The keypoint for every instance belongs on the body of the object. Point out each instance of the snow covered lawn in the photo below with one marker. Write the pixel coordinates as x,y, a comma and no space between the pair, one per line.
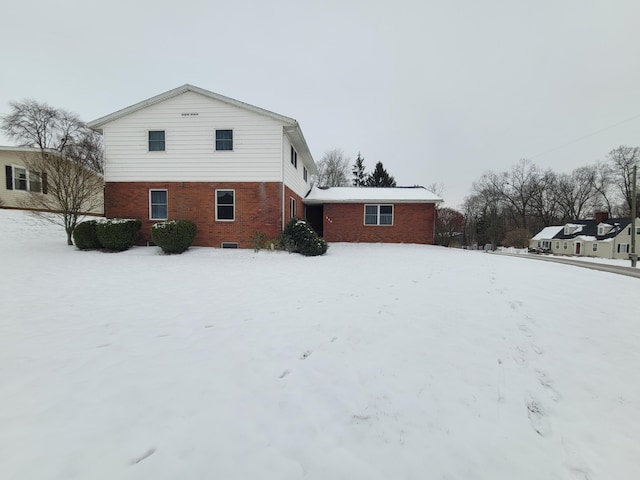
372,362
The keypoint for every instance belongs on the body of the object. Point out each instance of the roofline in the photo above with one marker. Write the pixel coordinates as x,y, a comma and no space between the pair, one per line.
100,122
314,201
295,131
26,149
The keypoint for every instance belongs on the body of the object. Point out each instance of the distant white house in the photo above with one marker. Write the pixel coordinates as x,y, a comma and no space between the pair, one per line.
601,237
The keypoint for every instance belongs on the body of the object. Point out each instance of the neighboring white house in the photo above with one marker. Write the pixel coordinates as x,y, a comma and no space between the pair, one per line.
21,184
602,237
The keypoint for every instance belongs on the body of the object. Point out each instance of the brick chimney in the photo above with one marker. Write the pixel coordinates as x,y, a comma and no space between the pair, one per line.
601,217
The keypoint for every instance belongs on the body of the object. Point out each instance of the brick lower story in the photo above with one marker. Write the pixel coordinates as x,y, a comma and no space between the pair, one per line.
258,207
412,223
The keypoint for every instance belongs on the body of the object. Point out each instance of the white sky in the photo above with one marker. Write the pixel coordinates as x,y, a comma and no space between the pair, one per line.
437,91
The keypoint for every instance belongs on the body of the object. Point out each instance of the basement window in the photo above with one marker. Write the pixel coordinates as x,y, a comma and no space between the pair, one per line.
229,245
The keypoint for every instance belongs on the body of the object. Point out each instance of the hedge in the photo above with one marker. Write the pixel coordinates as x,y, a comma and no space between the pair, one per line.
118,234
173,236
85,236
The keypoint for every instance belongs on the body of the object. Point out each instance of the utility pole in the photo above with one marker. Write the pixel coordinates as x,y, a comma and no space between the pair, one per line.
634,201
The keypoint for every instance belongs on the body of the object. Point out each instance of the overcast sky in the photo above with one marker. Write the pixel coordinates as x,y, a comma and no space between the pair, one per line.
439,91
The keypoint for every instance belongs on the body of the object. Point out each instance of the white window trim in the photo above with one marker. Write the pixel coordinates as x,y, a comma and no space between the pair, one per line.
234,203
305,174
150,204
626,248
378,224
594,248
294,157
165,140
215,140
28,179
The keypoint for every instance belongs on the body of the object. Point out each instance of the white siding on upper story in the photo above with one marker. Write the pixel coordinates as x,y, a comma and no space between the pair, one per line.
293,177
190,153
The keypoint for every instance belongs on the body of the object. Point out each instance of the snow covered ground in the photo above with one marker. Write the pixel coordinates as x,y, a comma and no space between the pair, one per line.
372,362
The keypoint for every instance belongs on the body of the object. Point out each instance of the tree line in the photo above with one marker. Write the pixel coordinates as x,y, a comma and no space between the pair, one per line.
505,207
333,171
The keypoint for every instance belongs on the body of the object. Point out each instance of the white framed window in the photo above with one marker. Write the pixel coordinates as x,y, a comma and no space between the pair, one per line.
378,215
156,140
600,230
294,157
225,205
595,247
305,174
557,245
224,140
292,207
546,244
158,204
565,245
20,178
623,248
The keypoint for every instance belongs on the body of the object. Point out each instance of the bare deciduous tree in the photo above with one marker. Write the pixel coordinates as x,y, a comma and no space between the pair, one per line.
449,227
67,160
333,169
621,162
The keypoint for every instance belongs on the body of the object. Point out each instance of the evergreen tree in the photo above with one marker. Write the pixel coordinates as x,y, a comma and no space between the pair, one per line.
380,177
359,177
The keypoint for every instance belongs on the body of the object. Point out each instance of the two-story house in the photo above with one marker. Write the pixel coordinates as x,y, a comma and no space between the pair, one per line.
235,169
230,167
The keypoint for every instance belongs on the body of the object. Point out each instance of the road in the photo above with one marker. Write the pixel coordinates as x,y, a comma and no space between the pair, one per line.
628,271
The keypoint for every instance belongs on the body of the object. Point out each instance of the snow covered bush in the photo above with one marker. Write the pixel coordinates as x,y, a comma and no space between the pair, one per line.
298,236
173,236
85,236
118,234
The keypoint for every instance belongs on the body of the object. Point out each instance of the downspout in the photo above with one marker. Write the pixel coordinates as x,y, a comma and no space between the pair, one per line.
282,179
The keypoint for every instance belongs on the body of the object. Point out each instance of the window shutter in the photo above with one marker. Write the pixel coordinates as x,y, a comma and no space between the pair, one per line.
9,171
44,183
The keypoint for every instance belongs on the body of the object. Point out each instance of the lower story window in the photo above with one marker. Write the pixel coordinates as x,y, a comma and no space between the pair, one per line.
623,248
378,214
565,245
292,207
158,205
558,245
595,247
225,205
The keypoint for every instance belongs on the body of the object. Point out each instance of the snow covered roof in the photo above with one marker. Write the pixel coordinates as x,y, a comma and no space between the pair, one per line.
318,195
547,233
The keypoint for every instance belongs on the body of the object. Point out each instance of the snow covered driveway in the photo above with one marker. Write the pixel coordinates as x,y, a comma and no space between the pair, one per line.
372,362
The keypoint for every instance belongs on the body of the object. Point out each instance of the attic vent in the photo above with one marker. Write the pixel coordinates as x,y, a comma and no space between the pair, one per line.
229,245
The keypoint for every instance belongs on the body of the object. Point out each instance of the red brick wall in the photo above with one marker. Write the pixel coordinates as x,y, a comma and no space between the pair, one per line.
412,223
288,193
258,206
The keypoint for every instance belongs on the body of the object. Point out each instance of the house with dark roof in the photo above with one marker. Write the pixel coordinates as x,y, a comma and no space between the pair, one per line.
235,169
601,237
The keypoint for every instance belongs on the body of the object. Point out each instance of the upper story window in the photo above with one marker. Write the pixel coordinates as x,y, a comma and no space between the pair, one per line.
158,205
156,140
378,214
294,157
20,178
224,139
226,205
305,174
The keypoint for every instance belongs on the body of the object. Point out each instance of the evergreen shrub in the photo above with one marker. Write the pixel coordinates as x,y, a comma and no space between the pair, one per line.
118,234
298,236
85,236
173,236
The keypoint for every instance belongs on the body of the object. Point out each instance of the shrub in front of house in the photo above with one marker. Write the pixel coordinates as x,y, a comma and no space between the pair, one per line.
85,236
118,234
298,236
173,236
